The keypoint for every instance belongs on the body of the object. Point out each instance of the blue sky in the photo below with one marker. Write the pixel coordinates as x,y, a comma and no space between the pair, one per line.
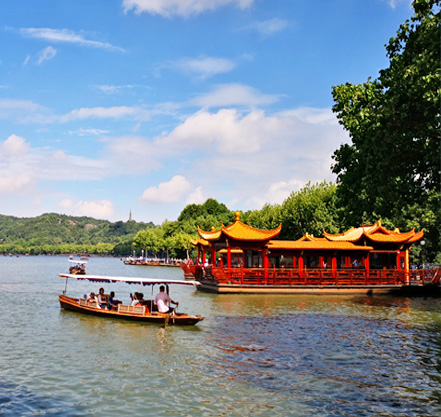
108,106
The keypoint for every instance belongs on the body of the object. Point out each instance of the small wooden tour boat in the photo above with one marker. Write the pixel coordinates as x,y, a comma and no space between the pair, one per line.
79,268
146,312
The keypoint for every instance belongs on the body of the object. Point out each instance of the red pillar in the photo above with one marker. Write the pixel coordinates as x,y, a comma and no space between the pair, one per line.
265,263
213,255
301,266
334,267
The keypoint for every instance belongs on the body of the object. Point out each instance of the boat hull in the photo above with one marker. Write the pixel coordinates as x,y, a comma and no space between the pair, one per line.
72,304
405,290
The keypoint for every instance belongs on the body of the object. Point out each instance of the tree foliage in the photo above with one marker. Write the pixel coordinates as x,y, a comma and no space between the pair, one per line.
394,124
392,168
53,233
310,210
210,208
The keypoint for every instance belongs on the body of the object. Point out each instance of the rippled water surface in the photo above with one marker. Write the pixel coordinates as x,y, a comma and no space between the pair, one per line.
263,355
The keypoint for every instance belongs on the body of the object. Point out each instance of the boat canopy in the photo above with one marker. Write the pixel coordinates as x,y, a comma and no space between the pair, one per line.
130,280
77,262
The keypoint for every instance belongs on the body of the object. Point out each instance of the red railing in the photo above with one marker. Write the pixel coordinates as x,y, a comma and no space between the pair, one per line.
311,277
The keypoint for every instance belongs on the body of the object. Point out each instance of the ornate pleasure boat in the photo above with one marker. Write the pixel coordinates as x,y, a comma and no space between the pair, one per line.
145,312
368,259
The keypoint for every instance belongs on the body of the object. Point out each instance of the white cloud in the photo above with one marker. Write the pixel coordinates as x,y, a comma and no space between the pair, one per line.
185,8
132,154
226,131
24,111
46,54
88,132
101,209
16,182
259,157
167,192
14,146
117,112
202,67
278,192
115,89
66,36
394,3
234,95
268,27
196,197
59,155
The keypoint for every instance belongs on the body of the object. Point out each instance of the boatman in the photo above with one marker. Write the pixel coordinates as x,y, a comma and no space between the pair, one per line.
161,299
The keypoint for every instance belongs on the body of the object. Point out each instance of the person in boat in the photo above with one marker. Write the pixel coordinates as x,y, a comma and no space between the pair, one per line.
137,298
101,299
91,297
161,299
112,303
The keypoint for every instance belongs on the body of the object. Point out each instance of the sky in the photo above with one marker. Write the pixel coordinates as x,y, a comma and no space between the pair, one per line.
145,106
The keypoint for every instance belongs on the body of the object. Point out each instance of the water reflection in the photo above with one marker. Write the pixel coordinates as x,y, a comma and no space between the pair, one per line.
362,365
19,401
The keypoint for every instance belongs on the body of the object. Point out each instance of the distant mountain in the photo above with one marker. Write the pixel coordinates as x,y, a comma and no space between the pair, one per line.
58,230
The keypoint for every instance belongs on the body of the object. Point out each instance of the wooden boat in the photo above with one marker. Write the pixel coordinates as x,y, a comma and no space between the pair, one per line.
147,312
79,268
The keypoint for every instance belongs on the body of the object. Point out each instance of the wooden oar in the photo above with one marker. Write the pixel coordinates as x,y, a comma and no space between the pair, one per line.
167,319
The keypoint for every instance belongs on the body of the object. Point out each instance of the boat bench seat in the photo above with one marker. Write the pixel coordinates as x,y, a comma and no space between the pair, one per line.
87,303
138,309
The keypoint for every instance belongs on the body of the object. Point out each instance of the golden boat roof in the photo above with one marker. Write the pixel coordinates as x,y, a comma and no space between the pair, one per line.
240,231
376,233
317,244
202,242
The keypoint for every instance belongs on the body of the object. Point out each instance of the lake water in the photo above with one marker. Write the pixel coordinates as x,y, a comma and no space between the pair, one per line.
260,355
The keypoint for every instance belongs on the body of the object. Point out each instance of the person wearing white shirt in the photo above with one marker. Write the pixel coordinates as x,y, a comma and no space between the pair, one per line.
161,299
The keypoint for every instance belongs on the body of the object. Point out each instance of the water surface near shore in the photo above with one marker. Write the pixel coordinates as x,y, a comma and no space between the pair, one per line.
267,355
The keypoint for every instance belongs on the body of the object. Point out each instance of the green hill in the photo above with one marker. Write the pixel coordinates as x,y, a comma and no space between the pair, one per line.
58,233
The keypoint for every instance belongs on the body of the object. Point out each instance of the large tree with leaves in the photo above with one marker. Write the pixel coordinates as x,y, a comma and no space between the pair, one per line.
393,162
310,210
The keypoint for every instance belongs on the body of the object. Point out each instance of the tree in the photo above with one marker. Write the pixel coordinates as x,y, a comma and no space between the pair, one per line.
150,239
210,208
267,218
394,124
310,210
183,241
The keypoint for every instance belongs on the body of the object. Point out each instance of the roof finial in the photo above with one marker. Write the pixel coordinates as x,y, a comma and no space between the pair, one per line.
237,216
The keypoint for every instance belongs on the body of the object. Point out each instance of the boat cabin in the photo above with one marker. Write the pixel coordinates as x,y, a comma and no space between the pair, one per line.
364,255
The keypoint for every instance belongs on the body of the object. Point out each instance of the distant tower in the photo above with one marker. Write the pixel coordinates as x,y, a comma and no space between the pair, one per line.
130,216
